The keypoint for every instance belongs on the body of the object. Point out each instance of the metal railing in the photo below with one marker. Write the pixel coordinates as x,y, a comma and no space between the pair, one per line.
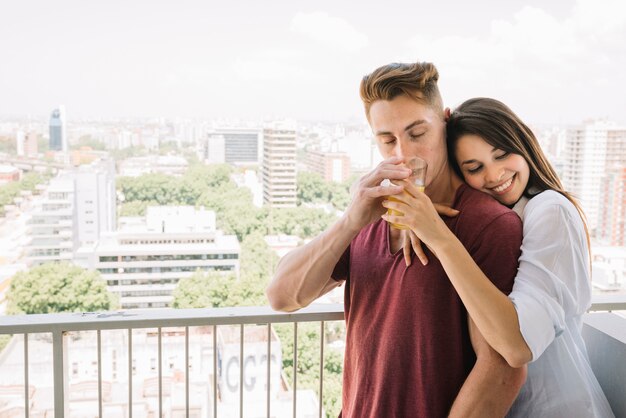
60,324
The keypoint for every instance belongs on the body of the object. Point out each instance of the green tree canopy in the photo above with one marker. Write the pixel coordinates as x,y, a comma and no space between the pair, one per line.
29,181
216,289
313,189
58,287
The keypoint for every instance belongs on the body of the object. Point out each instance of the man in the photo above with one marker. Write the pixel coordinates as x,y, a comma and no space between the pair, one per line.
408,345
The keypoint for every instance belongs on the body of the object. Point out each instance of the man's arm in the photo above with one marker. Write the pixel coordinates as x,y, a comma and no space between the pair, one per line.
492,385
304,274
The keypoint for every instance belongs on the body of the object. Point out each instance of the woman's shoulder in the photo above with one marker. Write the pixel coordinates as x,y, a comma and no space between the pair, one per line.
550,210
549,201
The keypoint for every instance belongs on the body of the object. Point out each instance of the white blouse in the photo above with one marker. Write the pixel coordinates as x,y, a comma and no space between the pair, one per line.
551,292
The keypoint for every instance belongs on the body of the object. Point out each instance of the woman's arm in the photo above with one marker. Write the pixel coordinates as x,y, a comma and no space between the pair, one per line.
492,311
551,284
491,387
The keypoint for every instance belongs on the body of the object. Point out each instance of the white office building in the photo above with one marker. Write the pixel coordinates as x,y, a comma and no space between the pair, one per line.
75,209
145,258
50,228
239,146
279,165
20,141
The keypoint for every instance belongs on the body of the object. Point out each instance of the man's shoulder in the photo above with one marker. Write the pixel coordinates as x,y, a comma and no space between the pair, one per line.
479,212
480,208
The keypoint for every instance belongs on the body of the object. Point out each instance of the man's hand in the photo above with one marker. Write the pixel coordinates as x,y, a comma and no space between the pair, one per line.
366,204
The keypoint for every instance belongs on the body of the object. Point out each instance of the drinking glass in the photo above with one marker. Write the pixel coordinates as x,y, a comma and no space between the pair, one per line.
417,177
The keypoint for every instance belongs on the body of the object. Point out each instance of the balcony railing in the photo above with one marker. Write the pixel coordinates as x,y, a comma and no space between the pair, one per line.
61,324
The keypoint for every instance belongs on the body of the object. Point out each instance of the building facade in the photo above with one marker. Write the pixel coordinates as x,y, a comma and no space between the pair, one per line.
611,229
241,146
58,130
591,151
331,166
143,261
279,165
75,209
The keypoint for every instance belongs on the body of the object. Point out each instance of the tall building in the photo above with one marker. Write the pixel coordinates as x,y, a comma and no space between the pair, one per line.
331,166
58,130
95,201
145,258
20,140
279,165
214,149
76,208
591,150
50,227
233,146
31,144
611,224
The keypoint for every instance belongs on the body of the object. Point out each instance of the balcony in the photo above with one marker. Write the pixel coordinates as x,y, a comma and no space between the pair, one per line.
132,338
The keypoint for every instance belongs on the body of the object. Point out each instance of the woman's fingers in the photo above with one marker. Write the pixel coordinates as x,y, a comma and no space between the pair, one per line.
445,210
406,247
417,247
411,241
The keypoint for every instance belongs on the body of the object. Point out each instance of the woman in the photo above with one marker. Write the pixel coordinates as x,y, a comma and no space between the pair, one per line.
540,322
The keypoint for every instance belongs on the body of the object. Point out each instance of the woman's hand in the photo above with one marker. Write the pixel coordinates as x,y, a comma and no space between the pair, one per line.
421,216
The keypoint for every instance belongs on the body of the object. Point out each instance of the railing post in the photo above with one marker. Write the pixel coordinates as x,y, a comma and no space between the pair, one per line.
295,367
26,382
60,382
321,397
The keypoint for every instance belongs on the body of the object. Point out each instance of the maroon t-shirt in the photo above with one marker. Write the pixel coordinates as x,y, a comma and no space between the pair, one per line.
408,350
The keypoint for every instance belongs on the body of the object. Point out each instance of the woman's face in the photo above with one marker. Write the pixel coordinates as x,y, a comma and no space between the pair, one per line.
491,170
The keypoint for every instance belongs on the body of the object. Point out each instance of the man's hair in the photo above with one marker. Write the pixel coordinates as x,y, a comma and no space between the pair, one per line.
416,80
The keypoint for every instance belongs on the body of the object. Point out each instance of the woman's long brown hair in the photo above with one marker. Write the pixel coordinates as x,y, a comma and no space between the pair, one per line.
494,122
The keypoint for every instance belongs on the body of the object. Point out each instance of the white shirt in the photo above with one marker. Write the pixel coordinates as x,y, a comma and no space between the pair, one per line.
551,292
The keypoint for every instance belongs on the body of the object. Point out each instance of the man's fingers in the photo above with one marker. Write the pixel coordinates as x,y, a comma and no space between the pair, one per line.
417,247
379,191
446,210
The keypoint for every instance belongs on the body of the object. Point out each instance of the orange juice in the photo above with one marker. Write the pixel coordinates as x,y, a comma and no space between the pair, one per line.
394,212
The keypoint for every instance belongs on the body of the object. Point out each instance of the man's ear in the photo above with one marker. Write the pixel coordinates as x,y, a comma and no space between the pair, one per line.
446,114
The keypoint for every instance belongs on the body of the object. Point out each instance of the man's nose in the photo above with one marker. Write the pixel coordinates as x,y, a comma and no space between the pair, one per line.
399,151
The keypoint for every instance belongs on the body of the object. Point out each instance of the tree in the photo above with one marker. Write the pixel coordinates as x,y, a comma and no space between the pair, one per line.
29,182
89,142
301,221
313,189
204,290
58,287
135,208
216,289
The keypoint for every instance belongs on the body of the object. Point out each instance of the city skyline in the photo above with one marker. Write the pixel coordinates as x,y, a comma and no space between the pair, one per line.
555,63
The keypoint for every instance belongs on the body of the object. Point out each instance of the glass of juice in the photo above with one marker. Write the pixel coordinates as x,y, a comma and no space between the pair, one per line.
417,177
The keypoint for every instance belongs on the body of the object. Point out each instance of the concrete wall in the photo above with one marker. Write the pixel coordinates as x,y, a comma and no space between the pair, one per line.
605,336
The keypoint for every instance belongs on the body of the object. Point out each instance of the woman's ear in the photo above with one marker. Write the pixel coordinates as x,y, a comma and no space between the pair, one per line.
446,114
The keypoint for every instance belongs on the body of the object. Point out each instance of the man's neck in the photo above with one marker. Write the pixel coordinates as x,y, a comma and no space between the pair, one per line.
443,188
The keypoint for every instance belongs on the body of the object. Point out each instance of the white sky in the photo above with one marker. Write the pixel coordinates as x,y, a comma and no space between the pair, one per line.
559,62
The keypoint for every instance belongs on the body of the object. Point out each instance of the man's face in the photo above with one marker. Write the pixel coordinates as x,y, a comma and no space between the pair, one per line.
406,128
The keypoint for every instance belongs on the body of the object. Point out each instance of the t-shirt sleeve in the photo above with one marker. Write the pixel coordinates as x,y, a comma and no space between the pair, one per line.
497,250
342,268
